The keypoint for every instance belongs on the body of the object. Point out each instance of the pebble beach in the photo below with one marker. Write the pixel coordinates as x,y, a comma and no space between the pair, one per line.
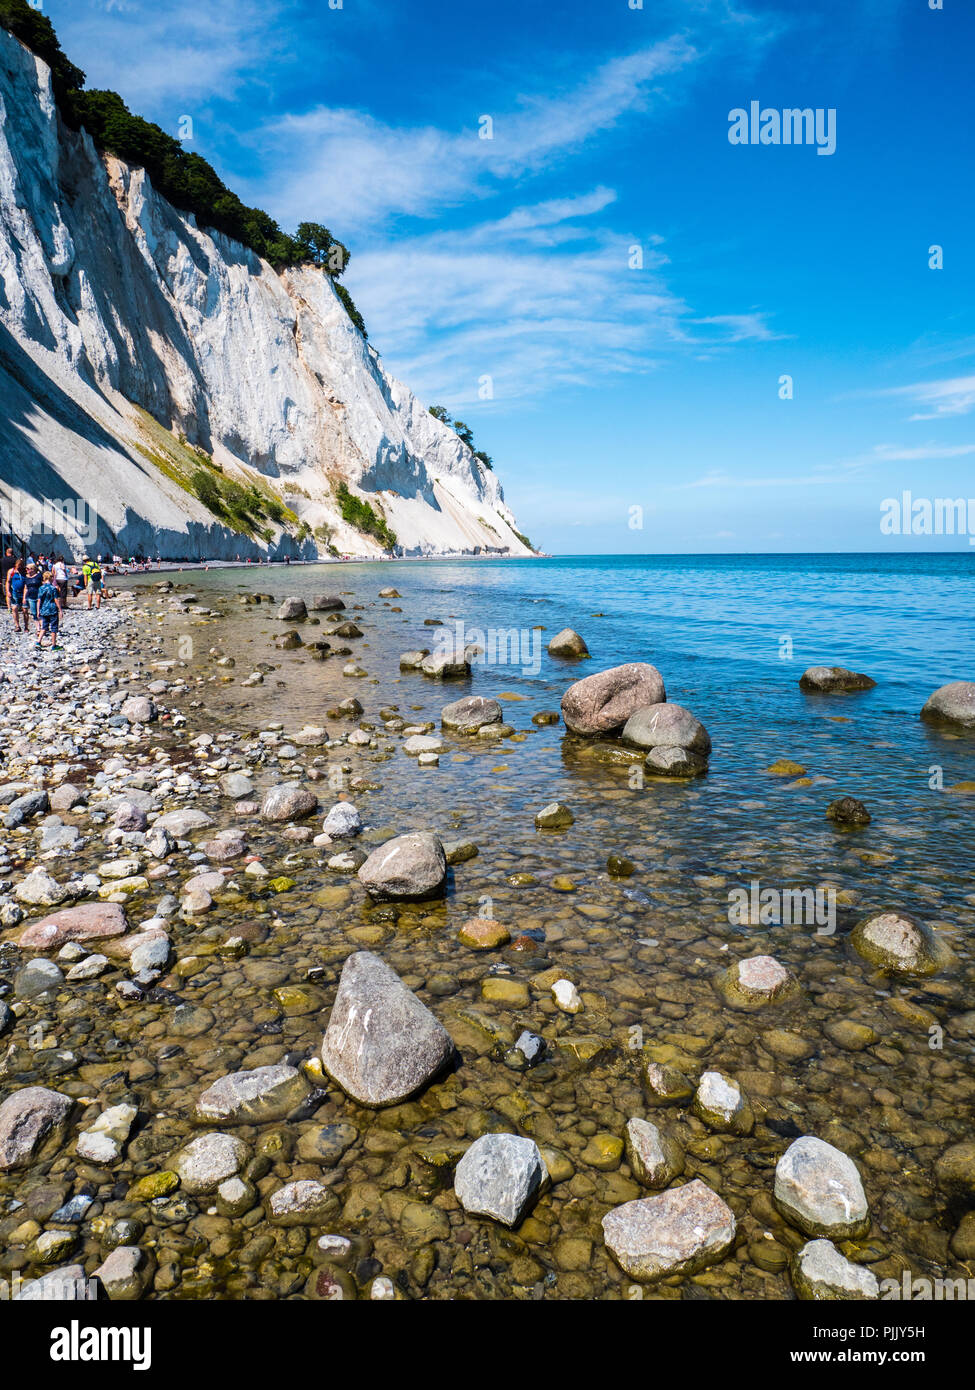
333,966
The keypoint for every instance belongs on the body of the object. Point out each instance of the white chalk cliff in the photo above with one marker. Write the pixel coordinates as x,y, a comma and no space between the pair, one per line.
129,336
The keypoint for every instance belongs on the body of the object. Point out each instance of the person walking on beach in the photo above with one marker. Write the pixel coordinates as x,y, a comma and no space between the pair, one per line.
32,587
14,594
93,581
48,611
7,563
59,578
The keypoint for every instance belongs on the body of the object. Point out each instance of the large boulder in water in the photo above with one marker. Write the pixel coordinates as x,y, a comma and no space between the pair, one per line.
382,1043
830,680
292,610
408,867
666,726
601,704
952,704
567,644
899,945
325,603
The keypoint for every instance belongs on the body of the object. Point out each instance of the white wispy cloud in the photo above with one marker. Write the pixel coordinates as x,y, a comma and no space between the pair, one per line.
179,51
893,453
741,328
954,396
364,170
495,300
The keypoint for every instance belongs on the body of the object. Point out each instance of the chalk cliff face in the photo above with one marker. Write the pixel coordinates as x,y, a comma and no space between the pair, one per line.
131,340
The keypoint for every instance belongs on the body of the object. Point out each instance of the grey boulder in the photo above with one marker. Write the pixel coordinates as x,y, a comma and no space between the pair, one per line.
253,1097
499,1176
666,726
288,801
952,704
382,1044
821,1274
408,867
818,1189
33,1122
292,610
567,644
829,680
470,714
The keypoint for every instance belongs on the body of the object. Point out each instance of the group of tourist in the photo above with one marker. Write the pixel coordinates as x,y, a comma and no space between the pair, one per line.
36,590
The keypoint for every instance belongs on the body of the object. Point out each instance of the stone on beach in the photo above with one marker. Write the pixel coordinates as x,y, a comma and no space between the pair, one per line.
382,1044
407,867
666,726
39,889
253,1097
722,1105
499,1176
952,704
847,810
87,922
567,643
418,744
413,660
756,981
303,1203
138,709
820,1273
555,816
654,1157
471,713
899,945
209,1160
325,603
292,610
675,762
819,1190
681,1231
125,1273
180,823
33,1121
826,680
342,822
449,665
288,801
104,1141
602,703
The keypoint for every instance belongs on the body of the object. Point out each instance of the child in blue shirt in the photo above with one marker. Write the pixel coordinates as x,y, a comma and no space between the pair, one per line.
48,611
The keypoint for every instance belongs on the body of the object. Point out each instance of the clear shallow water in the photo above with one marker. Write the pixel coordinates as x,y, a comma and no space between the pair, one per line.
643,950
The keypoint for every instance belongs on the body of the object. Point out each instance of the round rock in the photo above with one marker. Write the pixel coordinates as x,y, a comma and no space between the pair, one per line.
818,1189
408,867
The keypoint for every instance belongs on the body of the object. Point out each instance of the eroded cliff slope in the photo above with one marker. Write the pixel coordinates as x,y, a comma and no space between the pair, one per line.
139,351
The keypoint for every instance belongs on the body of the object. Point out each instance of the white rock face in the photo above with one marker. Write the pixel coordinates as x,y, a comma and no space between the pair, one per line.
113,304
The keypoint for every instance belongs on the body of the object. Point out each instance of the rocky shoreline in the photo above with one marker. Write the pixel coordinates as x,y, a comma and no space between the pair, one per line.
247,1050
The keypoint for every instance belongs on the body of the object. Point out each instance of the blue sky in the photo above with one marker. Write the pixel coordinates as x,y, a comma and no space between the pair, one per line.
617,387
